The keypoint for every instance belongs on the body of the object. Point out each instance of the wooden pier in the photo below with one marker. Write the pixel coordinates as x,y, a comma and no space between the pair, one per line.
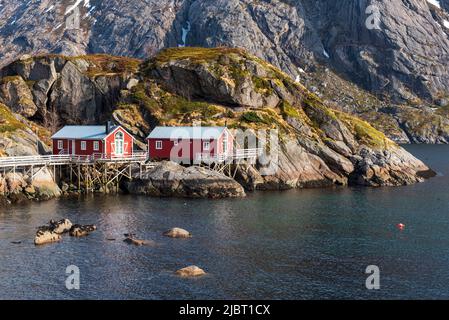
93,171
229,164
104,173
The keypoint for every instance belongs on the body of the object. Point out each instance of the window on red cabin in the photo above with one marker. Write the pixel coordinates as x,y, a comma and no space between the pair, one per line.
60,144
83,145
158,145
206,145
96,146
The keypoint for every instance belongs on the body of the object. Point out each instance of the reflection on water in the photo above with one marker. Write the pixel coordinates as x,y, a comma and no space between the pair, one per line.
291,245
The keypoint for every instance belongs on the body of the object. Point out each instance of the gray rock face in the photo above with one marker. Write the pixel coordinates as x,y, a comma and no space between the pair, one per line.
390,59
17,187
58,90
169,179
15,93
403,57
322,147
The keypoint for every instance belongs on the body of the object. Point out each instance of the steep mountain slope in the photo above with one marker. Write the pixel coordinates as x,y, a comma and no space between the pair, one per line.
401,67
406,57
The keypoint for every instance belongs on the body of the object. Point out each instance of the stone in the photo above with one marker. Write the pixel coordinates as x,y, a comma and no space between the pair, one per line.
138,242
177,233
81,231
169,179
61,226
192,271
46,235
17,95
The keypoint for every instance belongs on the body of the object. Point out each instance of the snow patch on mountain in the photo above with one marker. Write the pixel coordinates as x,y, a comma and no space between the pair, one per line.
436,3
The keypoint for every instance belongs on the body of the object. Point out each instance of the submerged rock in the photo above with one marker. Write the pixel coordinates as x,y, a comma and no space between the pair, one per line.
177,233
170,179
81,231
137,242
192,271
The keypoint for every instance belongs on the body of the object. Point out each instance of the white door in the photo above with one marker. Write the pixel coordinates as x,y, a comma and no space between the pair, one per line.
225,143
119,143
73,147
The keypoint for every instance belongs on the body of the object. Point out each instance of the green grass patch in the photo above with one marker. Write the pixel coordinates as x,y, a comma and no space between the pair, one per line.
364,132
8,122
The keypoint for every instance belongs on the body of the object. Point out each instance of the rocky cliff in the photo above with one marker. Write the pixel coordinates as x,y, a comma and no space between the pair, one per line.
318,146
21,137
393,54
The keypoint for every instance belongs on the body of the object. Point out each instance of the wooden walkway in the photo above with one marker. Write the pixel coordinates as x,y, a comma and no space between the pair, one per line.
101,172
91,172
60,160
229,164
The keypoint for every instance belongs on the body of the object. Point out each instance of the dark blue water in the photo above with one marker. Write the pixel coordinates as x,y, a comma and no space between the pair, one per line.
293,245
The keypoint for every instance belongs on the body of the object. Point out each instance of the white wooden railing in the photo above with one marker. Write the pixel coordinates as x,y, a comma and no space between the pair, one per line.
239,154
62,159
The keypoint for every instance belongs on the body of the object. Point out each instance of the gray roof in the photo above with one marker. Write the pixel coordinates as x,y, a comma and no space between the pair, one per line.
186,132
82,132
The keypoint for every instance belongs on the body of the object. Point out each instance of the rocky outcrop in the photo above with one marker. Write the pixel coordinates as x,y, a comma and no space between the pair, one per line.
15,93
16,187
169,179
58,89
316,146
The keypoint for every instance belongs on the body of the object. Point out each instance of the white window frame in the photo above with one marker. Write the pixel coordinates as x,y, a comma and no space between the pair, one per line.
60,144
206,145
83,145
159,145
96,146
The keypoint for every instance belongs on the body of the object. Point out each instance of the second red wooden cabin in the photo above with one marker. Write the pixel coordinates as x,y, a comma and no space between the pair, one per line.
187,144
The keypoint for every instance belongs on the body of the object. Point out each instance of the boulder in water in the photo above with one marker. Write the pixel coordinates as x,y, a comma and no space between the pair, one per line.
46,235
192,271
177,233
61,226
81,231
138,242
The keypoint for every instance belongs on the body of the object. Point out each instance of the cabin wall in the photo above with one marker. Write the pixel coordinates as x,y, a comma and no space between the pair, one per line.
186,149
230,143
110,143
67,146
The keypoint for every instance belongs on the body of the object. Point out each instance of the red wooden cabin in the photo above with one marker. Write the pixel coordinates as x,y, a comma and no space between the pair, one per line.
106,141
187,144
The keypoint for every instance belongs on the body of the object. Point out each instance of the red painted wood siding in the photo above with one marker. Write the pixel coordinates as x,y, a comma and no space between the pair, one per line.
195,147
110,143
105,147
67,146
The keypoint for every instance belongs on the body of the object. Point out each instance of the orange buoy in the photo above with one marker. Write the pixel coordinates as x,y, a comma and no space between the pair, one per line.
401,226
